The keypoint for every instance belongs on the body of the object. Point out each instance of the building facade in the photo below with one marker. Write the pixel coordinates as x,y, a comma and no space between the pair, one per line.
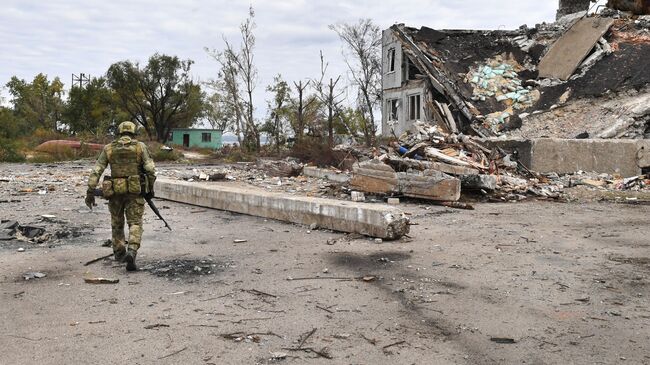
402,86
196,138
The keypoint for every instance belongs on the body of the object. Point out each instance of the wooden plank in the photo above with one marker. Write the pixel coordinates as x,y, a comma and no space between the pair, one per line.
566,54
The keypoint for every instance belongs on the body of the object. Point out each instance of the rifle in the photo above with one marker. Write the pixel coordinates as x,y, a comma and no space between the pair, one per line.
98,192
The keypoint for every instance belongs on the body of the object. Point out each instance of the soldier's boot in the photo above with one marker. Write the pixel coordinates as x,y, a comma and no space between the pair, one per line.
119,255
129,258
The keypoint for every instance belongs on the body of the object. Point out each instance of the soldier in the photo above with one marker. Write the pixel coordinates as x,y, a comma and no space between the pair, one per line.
132,177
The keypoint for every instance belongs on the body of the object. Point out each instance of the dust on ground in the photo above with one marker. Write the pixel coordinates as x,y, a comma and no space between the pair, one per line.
531,282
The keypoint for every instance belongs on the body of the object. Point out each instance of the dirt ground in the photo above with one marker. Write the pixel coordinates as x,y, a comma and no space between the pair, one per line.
524,283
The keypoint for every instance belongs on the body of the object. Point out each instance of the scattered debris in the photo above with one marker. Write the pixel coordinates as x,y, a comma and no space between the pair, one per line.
282,168
278,356
157,325
173,353
33,275
100,280
185,268
98,259
502,340
385,348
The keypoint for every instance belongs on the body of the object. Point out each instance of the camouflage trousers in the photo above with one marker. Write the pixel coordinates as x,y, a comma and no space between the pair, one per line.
131,207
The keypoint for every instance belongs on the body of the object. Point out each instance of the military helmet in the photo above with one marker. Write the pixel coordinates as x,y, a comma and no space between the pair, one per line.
126,127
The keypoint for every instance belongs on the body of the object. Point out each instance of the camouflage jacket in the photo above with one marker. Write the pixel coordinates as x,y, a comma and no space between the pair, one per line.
126,157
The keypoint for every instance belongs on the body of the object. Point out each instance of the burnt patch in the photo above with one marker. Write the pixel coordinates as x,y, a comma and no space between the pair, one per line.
179,268
362,263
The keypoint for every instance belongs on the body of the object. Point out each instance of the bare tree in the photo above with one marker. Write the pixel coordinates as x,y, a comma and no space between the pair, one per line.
329,97
363,56
300,106
248,73
240,77
229,102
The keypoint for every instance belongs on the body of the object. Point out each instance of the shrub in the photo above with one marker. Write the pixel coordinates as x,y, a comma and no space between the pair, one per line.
159,154
316,151
10,151
230,153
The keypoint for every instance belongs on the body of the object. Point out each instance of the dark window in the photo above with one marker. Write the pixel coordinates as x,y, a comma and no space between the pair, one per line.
206,137
391,60
391,106
414,107
411,70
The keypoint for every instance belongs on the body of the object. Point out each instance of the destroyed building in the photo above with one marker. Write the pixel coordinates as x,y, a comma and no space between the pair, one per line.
584,76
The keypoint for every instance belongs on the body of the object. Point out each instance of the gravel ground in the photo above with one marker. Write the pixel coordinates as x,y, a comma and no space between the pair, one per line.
532,282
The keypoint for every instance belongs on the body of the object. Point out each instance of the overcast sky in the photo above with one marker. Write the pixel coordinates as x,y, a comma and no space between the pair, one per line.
61,37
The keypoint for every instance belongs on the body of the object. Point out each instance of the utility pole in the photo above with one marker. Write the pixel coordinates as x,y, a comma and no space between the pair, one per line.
82,79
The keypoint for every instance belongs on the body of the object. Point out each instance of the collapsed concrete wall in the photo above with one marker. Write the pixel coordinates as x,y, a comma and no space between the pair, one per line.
488,83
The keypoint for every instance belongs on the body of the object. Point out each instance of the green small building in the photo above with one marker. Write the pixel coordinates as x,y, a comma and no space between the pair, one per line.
196,138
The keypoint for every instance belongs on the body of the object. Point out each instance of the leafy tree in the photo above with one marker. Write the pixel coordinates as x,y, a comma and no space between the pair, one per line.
10,129
279,111
38,104
93,109
160,96
363,57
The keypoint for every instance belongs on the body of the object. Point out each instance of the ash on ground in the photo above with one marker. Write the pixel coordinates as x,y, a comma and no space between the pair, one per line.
179,268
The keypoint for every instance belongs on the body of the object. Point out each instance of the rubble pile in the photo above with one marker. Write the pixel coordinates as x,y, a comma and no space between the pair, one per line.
251,174
430,151
433,164
539,80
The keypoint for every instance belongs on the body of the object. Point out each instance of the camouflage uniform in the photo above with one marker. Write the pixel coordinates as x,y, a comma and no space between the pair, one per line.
131,165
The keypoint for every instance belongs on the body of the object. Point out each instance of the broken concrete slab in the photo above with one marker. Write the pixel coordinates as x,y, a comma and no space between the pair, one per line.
280,168
375,176
568,52
369,219
546,155
430,185
478,182
330,175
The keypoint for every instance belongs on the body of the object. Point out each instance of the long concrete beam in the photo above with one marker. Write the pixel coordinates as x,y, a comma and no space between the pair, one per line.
376,220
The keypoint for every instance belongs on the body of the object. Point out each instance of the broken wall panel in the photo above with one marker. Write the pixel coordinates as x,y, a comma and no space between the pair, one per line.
566,54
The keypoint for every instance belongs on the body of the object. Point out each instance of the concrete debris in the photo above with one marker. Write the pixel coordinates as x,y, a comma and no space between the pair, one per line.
328,174
33,275
99,280
281,168
357,196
